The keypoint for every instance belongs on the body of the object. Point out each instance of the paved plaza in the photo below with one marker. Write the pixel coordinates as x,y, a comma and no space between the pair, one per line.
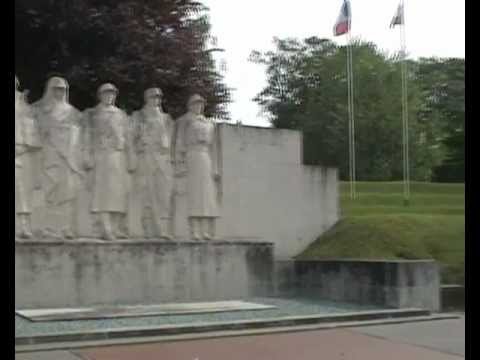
435,340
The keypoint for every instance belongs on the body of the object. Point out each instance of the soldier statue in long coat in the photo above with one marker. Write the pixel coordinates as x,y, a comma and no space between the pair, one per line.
153,182
196,151
60,132
108,154
27,145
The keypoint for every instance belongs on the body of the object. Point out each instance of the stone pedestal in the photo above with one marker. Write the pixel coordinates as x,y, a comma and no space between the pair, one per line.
390,283
51,274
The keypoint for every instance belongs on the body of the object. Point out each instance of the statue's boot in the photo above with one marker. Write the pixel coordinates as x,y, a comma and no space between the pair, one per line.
69,234
121,235
25,232
166,236
196,236
164,229
109,236
195,229
209,229
107,227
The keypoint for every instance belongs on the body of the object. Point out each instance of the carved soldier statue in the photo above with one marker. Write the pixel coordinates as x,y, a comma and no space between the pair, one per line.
60,131
153,182
27,145
196,151
108,153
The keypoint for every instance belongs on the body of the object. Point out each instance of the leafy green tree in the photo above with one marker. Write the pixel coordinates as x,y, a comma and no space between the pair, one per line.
132,43
443,90
307,90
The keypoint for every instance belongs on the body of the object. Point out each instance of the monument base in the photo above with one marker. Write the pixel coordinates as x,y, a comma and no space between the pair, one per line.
395,284
81,273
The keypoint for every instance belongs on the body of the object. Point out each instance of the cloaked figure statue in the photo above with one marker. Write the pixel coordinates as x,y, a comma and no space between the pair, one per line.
27,146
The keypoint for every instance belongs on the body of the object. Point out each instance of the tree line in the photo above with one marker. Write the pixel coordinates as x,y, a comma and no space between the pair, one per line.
134,44
168,44
307,90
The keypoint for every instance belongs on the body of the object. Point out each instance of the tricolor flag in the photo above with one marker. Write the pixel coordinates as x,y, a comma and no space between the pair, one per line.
342,26
398,18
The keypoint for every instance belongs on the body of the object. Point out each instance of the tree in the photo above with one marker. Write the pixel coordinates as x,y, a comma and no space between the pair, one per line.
307,90
132,43
443,89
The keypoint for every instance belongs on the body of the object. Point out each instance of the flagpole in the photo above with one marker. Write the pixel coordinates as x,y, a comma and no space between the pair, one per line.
351,117
344,20
405,119
352,112
350,134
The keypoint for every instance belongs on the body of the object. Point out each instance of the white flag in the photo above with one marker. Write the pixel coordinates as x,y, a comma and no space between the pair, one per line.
398,18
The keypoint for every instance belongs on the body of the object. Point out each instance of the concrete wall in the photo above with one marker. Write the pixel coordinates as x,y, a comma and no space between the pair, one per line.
85,273
88,273
395,284
267,192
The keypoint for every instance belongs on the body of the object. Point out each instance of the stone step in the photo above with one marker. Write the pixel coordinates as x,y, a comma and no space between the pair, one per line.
453,297
170,330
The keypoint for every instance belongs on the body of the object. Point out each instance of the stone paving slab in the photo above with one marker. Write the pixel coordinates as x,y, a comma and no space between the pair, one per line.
228,333
282,307
116,312
445,335
50,355
315,345
133,332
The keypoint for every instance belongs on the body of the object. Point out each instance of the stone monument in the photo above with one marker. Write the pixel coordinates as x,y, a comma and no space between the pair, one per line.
153,179
27,146
197,159
108,155
144,209
61,173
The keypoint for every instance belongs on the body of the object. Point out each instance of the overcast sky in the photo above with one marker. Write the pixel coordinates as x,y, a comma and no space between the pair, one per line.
433,28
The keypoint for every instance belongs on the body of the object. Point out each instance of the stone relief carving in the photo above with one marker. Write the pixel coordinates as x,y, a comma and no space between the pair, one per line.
196,153
108,156
153,179
27,146
61,173
75,170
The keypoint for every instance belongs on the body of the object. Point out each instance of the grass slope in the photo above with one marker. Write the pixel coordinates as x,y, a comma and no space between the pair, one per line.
379,226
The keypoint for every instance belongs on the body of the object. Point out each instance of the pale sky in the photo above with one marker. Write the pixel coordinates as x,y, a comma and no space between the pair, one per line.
433,28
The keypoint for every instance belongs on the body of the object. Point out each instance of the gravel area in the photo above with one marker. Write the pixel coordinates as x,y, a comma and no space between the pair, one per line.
284,307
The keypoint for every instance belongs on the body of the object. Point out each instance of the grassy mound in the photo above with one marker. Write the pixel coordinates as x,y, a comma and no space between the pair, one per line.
378,226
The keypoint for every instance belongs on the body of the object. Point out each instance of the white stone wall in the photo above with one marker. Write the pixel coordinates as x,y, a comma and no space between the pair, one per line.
89,273
268,194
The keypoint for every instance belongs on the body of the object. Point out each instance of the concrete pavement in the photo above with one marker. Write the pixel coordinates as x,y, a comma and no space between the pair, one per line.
436,340
445,335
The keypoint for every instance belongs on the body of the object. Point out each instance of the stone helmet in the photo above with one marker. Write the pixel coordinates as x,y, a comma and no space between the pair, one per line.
107,88
194,99
153,92
57,83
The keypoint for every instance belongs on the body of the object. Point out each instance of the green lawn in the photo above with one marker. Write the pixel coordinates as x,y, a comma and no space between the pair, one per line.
378,226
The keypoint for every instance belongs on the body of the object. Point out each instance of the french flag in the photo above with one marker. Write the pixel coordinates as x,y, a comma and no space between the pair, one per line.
342,26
